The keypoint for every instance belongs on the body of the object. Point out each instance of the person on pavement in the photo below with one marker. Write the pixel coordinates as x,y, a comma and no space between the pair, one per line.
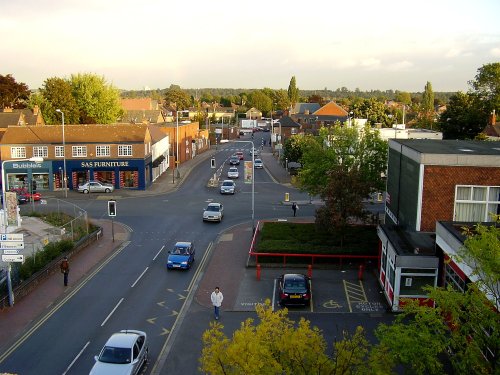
217,298
65,269
294,208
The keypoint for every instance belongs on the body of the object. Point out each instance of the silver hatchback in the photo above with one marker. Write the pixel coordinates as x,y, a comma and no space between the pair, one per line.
95,187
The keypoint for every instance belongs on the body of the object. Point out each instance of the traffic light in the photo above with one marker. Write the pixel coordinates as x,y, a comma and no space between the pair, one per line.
212,163
111,208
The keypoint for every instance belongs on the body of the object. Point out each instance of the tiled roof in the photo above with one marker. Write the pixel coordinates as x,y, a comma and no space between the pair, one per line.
141,115
137,104
156,133
331,109
492,130
9,118
302,108
76,134
287,122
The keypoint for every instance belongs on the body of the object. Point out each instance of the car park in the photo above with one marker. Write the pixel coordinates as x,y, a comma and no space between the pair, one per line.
233,172
227,187
258,164
181,257
294,289
240,155
213,212
95,187
125,352
234,160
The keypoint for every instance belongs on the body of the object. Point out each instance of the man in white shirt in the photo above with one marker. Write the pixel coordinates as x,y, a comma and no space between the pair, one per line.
216,298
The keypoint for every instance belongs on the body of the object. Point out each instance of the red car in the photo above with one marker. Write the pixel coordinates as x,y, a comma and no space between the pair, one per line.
23,192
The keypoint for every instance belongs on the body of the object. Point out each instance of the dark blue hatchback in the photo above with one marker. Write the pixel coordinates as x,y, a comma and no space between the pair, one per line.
181,257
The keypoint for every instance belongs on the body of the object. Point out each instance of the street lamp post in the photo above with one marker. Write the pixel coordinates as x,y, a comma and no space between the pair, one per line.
65,180
6,223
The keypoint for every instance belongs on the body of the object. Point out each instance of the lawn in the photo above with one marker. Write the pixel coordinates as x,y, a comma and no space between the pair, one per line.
305,238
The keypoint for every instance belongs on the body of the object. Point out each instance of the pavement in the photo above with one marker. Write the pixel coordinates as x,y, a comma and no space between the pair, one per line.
26,312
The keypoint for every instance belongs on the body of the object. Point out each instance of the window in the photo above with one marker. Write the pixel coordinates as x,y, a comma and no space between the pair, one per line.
79,151
40,151
476,203
18,152
102,150
59,151
453,279
125,150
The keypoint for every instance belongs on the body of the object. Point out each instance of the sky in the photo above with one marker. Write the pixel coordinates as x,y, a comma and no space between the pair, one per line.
241,44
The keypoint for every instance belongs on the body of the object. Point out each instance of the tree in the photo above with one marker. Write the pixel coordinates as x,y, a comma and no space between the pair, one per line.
278,346
177,98
13,94
293,92
487,86
403,97
426,115
462,327
260,100
292,148
57,94
98,102
464,117
281,100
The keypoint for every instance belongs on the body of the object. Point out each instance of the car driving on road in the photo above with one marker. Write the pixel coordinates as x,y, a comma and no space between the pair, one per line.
124,353
213,212
227,187
233,172
234,160
258,164
181,257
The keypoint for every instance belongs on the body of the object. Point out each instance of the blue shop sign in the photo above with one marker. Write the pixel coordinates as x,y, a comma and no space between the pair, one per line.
27,165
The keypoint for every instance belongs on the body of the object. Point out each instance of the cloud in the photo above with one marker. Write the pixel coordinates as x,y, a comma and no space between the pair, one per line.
370,63
495,52
400,66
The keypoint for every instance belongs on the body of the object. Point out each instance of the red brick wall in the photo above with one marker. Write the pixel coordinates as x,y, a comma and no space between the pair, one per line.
439,190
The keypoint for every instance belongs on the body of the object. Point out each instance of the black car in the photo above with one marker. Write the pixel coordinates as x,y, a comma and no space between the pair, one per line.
234,160
294,289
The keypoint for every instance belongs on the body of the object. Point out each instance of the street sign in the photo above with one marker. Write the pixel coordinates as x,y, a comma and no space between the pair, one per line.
13,245
12,237
11,252
13,258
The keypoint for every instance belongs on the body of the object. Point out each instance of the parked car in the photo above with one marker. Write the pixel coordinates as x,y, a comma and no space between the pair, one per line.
227,187
233,172
294,289
213,212
240,155
125,352
26,195
257,163
181,257
96,187
21,199
234,160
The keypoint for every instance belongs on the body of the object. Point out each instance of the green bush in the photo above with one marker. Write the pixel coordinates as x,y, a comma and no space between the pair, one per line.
306,238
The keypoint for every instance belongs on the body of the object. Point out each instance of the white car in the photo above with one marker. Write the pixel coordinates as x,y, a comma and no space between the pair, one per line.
213,212
227,187
233,172
254,151
95,187
258,163
124,353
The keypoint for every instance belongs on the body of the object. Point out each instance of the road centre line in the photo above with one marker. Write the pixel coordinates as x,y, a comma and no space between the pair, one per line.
37,325
112,311
162,357
76,358
142,274
158,253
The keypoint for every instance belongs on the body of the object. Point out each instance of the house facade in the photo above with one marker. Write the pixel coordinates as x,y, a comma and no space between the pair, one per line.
431,181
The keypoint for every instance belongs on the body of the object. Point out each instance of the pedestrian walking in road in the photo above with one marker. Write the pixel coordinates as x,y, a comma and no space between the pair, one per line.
295,207
217,298
65,270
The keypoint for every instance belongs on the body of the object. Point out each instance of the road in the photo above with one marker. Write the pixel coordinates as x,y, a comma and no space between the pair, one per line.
133,289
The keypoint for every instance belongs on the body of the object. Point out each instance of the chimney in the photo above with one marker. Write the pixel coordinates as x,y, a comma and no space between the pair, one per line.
493,118
35,110
7,109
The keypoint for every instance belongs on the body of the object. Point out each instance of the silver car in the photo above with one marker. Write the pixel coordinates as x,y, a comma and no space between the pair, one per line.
227,187
258,163
125,352
213,212
95,187
233,172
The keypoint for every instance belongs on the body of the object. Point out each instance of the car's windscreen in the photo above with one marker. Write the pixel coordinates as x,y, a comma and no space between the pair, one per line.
227,184
213,208
115,355
295,286
180,250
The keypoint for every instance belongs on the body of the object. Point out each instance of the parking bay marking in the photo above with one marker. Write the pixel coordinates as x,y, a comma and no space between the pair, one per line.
354,293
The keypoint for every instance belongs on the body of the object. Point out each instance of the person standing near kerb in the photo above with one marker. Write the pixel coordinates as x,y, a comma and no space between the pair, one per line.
216,299
65,269
294,208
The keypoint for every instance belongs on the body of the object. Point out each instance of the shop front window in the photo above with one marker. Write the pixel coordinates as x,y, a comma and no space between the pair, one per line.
17,181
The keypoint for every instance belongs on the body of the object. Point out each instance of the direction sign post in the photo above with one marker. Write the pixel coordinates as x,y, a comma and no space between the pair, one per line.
19,258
